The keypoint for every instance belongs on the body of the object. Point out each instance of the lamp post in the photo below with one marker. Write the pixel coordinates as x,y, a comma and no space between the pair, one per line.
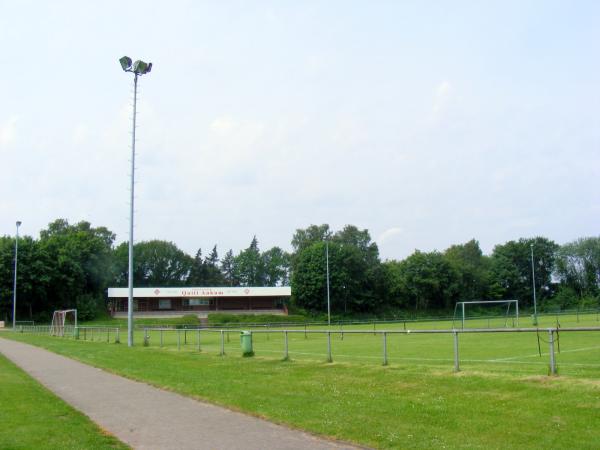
327,265
535,320
15,279
138,68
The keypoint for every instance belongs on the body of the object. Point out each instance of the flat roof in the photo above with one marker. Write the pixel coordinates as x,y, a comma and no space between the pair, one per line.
200,292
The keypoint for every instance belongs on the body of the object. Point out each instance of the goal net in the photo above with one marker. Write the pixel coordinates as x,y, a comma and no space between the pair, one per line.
61,320
486,314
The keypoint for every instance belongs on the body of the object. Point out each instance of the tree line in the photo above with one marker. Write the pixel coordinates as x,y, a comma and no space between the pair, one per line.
72,265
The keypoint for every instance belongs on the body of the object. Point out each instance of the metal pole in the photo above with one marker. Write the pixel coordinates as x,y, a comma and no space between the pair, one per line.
130,274
178,339
328,301
517,303
161,338
15,279
551,345
329,359
535,320
222,343
198,339
456,358
285,339
385,349
463,315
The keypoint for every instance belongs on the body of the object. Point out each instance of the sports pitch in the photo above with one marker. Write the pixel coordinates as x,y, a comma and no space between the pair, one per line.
577,353
502,397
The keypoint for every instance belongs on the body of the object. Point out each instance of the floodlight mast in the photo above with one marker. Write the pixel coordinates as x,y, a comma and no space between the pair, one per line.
327,265
15,279
138,68
535,319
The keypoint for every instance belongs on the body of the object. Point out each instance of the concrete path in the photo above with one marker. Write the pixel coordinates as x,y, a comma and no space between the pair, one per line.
146,417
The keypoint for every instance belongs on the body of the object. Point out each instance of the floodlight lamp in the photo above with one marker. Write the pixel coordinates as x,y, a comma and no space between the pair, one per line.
140,67
18,223
125,63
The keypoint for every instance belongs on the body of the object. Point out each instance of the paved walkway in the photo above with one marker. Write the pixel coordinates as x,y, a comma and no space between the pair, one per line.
146,417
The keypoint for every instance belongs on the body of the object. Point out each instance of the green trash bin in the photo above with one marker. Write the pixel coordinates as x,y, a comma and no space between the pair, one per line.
246,340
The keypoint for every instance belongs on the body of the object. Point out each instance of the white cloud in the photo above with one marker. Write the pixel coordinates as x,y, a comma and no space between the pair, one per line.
8,130
389,233
442,93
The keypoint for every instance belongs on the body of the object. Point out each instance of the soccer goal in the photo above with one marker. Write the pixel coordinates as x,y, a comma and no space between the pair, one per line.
61,319
492,312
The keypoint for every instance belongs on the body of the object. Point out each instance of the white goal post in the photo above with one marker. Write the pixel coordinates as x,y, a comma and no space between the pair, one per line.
460,306
58,321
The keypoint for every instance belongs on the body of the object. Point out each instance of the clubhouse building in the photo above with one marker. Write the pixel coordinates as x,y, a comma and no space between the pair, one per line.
179,301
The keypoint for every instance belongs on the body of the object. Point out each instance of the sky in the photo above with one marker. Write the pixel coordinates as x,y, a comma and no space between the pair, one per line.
429,123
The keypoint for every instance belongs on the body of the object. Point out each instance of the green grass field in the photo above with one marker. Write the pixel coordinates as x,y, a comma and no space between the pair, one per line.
32,417
502,398
577,353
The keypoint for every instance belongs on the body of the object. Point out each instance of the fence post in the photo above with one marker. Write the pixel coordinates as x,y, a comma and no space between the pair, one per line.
305,336
185,336
108,335
146,337
551,345
198,339
385,349
373,328
456,358
91,334
285,340
341,332
329,359
178,339
222,343
161,338
117,336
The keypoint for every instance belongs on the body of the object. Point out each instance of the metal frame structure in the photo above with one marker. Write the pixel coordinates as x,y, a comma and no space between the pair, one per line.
58,329
484,302
138,68
14,321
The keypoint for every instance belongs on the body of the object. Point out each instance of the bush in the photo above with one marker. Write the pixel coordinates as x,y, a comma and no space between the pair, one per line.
222,318
88,306
565,298
187,320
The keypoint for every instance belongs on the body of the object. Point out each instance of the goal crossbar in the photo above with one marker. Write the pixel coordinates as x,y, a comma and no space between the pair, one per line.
485,302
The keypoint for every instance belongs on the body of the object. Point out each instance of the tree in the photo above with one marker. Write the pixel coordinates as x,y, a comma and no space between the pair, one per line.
352,284
197,276
276,266
248,266
511,274
156,263
82,262
423,280
472,269
228,269
33,277
578,266
214,277
304,238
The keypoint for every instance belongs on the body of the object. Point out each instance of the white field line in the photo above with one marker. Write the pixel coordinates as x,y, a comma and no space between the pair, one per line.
584,349
448,360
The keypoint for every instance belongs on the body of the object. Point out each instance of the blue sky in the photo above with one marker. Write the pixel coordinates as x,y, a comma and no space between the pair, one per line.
428,123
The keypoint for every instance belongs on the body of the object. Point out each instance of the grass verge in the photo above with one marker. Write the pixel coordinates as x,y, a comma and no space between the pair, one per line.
32,417
383,407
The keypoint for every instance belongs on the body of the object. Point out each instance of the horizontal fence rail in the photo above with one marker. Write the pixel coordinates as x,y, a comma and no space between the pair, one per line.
193,337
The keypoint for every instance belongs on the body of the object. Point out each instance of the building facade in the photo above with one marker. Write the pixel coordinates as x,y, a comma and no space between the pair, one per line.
178,301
